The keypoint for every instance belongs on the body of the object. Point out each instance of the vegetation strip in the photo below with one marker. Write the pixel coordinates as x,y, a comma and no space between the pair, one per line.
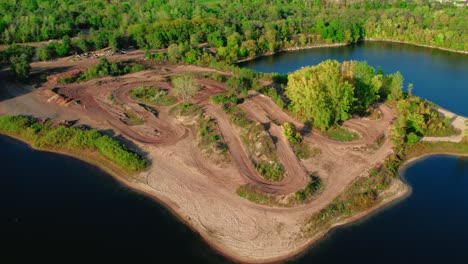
44,135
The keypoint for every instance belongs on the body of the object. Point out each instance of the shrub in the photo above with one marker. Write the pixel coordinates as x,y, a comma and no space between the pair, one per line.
224,99
153,95
272,170
412,138
66,80
311,189
105,68
43,53
291,133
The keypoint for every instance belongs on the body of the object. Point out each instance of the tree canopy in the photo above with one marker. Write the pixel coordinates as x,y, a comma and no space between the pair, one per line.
240,28
331,92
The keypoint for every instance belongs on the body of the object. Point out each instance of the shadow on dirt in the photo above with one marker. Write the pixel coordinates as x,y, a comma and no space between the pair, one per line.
11,86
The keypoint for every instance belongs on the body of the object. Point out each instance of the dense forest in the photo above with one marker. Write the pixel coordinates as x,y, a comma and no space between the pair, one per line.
249,27
201,32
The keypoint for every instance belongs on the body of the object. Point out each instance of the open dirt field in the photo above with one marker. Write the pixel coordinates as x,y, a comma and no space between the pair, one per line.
195,188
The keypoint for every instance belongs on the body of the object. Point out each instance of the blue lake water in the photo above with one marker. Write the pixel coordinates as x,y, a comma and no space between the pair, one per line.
429,226
61,210
437,75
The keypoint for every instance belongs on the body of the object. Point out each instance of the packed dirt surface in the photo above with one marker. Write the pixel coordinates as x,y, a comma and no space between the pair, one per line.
198,190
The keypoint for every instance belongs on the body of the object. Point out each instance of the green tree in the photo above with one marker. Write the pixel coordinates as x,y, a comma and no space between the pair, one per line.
392,87
63,48
43,52
185,87
320,94
367,85
115,41
20,65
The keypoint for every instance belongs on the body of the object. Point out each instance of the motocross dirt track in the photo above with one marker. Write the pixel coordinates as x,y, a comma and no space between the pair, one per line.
196,189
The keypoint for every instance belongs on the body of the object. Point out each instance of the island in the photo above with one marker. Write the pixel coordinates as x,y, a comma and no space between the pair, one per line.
261,165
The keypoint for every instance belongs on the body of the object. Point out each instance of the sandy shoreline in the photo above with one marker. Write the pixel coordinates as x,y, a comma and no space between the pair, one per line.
315,46
403,191
415,44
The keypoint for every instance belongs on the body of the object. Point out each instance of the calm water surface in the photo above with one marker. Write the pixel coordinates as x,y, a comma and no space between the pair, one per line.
439,76
430,226
63,210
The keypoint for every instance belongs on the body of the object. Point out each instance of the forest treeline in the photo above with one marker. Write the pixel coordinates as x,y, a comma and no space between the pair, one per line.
238,28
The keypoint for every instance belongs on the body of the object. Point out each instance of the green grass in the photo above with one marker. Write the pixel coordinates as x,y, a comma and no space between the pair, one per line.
188,109
133,119
153,96
272,170
247,192
341,134
66,80
211,140
113,100
60,138
423,147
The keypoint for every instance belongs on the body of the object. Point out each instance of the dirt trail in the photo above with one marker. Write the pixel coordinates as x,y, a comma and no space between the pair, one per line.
169,132
295,173
242,161
276,114
201,192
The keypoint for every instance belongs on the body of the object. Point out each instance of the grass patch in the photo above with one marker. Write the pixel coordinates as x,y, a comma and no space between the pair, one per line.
272,170
48,137
133,119
302,150
276,95
341,134
153,96
247,192
112,99
211,140
188,109
66,80
424,147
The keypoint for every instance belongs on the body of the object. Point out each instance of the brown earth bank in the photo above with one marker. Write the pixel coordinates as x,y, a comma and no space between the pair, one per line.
199,191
